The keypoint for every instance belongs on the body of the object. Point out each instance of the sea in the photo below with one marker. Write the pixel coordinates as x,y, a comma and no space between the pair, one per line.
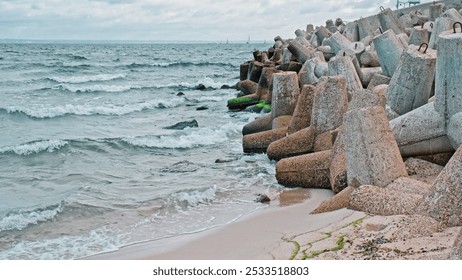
87,161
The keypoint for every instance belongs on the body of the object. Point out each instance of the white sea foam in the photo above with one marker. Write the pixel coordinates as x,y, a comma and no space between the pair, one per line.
34,147
207,82
96,88
189,138
195,197
87,110
22,220
66,247
88,78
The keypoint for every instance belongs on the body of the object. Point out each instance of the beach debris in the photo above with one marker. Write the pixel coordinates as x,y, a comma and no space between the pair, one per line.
201,108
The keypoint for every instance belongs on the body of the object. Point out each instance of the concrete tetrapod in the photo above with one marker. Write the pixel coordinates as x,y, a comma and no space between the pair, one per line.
373,157
448,78
419,35
411,85
389,21
337,42
285,93
307,171
343,66
330,103
389,51
284,99
443,201
440,25
301,52
421,132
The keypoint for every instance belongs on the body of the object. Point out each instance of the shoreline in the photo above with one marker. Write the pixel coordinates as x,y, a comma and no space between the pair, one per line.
261,230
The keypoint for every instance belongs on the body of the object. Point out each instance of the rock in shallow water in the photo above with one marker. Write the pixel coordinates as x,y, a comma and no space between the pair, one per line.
183,125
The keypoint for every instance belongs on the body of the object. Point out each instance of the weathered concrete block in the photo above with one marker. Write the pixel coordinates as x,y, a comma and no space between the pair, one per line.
286,56
285,92
277,56
369,59
443,201
401,197
440,25
448,78
354,60
421,132
373,157
301,117
337,42
358,49
423,170
265,83
307,171
259,142
338,201
419,35
365,98
281,121
389,21
343,66
389,51
301,52
321,69
260,124
255,69
330,103
297,143
337,167
243,71
351,31
368,73
307,75
435,11
367,26
406,21
378,79
417,18
456,251
411,85
321,34
453,14
247,87
454,130
324,141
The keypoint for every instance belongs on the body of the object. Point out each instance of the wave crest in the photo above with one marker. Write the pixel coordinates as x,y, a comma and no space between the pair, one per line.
35,147
20,221
85,110
202,137
87,78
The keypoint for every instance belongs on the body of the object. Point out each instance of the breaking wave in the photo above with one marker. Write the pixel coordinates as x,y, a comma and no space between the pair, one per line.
20,221
34,147
85,110
87,78
189,138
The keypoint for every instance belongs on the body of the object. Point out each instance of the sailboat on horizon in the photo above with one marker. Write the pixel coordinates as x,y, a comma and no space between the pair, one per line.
248,40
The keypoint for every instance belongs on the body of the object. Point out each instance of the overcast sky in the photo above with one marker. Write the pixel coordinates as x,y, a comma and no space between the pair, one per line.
191,20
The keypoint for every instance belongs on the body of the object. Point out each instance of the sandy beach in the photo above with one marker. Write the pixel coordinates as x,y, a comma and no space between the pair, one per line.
291,232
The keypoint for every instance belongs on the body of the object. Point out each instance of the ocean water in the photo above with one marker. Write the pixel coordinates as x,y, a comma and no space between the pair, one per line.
86,163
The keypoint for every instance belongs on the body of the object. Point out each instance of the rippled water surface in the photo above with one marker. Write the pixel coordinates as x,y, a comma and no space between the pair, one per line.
86,163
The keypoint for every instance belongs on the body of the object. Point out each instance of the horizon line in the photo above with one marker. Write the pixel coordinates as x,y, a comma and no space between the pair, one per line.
25,41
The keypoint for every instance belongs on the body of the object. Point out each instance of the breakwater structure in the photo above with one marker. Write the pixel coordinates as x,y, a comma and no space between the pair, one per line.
371,109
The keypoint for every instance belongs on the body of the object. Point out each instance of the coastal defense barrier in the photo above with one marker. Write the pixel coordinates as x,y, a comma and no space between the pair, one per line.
354,106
